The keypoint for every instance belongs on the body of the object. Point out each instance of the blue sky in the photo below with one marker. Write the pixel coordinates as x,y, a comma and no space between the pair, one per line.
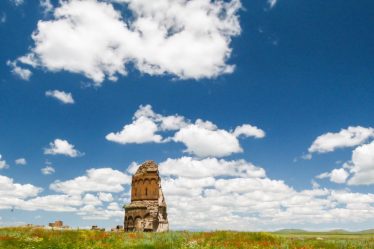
291,76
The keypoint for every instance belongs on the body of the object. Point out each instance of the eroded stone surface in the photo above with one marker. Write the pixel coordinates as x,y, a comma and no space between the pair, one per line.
147,210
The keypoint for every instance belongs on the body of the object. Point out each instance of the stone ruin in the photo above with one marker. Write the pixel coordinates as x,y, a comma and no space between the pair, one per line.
147,210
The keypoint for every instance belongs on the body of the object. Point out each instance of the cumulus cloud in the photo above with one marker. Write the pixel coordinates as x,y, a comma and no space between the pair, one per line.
189,39
22,73
248,131
20,161
114,206
54,203
205,139
48,170
10,189
202,138
105,197
362,165
87,206
339,175
146,123
3,164
142,130
95,180
87,202
93,200
90,212
209,167
336,175
133,167
350,137
239,195
63,97
358,171
62,147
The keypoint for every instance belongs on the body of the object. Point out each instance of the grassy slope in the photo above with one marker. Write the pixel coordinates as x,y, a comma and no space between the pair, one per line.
42,239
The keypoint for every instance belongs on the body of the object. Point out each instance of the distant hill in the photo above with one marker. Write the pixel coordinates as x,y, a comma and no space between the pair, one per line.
339,231
369,231
291,231
335,231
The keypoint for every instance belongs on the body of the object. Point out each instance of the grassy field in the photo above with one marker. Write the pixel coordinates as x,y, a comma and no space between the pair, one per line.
20,238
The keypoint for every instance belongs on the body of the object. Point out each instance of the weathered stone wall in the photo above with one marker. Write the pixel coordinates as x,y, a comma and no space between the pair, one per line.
147,210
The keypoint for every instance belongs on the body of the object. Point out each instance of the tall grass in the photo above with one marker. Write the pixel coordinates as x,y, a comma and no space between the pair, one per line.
37,238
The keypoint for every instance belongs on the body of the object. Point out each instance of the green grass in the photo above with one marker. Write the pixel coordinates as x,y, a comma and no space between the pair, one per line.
33,238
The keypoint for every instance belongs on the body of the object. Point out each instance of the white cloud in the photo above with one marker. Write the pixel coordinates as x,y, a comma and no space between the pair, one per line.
54,203
348,197
46,5
248,131
189,39
62,147
25,197
63,97
95,180
142,130
87,205
230,198
133,167
114,206
90,199
272,3
187,187
339,175
209,167
10,189
48,170
20,161
105,197
22,73
358,171
315,184
245,185
362,165
323,175
336,175
90,212
350,137
146,123
172,123
307,156
17,2
238,195
202,138
164,123
3,164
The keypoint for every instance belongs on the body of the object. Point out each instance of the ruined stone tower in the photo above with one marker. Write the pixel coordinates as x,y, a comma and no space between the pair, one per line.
147,210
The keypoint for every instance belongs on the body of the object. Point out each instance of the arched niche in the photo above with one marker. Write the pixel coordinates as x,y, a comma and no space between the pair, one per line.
138,224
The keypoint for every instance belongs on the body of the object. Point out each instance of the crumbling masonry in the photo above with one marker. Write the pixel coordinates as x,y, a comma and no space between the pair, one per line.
147,210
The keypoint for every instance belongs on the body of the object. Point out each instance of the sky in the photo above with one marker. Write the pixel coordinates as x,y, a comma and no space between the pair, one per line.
259,113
